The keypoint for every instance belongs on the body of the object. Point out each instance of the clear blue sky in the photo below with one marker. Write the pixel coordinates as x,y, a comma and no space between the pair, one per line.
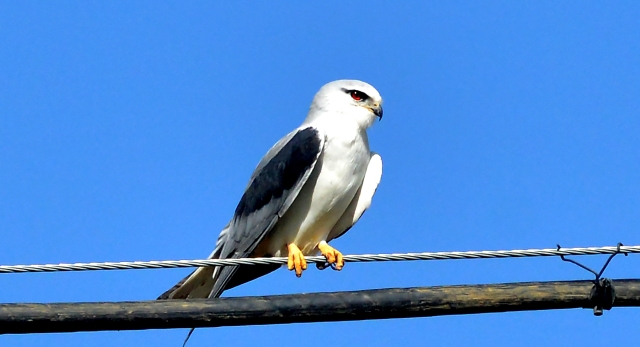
128,131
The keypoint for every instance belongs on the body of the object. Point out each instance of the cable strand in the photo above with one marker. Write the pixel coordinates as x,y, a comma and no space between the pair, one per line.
164,264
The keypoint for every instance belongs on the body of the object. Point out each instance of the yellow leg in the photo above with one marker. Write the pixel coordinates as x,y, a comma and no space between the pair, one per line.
333,255
296,260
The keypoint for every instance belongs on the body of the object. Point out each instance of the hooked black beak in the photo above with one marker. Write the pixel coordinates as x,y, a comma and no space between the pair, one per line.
377,110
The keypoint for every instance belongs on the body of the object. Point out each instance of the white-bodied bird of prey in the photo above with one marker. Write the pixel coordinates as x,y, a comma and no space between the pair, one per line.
310,188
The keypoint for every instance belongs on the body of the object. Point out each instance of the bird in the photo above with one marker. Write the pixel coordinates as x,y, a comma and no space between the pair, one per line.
310,188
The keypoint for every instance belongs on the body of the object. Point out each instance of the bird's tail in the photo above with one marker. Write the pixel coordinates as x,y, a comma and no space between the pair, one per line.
188,336
199,283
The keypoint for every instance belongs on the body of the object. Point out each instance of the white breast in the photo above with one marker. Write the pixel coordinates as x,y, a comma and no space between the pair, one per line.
329,190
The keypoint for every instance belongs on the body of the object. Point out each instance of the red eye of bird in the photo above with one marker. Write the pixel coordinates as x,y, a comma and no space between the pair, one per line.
357,96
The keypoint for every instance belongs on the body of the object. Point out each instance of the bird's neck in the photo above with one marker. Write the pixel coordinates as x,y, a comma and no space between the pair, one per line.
353,119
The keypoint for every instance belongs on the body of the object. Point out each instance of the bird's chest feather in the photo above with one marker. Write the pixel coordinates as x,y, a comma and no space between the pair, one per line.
343,165
333,184
325,196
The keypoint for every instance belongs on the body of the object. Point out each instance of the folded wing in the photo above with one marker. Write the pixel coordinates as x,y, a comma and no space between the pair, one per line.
273,187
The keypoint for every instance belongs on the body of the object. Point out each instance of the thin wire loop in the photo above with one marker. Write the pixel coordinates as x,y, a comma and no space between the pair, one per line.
603,293
517,253
619,250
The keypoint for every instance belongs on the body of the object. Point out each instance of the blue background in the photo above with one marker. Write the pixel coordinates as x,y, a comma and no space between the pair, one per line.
128,132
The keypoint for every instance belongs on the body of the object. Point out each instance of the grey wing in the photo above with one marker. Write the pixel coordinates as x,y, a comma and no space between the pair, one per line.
272,189
275,149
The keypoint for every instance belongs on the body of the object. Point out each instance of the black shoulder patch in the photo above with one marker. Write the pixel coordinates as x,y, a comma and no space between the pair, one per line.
282,172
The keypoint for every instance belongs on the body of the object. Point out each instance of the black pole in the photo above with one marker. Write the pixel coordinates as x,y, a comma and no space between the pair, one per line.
315,307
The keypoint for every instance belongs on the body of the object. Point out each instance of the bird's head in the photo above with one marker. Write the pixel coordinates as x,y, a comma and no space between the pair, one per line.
349,99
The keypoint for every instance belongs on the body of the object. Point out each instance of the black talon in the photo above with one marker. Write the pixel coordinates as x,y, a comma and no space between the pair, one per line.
322,266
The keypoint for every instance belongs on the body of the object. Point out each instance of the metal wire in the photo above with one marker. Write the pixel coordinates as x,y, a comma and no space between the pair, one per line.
516,253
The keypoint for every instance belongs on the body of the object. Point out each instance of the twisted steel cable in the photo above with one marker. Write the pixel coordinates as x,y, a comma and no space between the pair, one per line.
128,265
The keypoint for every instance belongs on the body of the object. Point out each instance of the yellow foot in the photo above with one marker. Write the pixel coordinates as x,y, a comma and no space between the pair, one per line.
296,260
333,255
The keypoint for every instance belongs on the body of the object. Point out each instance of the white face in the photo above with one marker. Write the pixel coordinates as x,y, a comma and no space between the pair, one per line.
350,98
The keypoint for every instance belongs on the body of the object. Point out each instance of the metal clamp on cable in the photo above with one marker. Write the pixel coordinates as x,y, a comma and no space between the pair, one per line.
602,296
603,293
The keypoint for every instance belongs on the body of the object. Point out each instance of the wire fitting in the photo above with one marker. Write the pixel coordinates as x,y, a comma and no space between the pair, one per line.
603,292
602,296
